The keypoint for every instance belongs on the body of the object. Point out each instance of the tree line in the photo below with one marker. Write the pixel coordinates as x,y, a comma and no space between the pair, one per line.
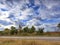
25,31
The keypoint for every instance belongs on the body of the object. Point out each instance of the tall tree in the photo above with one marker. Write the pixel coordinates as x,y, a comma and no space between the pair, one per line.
13,30
58,27
32,29
40,31
26,29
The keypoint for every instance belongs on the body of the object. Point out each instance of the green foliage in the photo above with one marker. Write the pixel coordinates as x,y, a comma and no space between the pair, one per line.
40,31
58,30
26,29
58,25
27,32
13,30
16,31
32,29
1,33
20,31
6,31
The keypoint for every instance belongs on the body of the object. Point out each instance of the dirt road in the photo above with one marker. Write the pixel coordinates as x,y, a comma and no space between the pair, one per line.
30,37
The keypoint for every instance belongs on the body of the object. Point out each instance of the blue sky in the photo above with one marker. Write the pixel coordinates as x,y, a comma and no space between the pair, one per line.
40,13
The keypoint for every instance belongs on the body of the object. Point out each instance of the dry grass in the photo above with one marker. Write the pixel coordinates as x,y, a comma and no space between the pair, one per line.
27,42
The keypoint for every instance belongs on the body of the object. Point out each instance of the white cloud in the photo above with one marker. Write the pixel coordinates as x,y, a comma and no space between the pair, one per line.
45,12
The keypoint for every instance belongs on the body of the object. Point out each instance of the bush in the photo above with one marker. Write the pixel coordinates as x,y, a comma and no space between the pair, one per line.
1,33
6,31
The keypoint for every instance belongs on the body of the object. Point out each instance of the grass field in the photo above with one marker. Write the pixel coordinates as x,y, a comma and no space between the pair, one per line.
27,42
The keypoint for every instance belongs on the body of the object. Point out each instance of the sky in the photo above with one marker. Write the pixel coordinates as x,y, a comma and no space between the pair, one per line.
39,13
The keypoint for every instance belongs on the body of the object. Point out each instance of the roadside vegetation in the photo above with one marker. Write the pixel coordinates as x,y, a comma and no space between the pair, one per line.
5,41
21,32
26,31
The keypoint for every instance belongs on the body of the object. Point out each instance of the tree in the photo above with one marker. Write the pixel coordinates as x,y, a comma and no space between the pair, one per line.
6,31
26,29
13,30
20,29
19,26
32,29
1,33
16,31
40,31
58,27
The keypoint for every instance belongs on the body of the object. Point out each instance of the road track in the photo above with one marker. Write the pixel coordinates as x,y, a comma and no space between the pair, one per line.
30,37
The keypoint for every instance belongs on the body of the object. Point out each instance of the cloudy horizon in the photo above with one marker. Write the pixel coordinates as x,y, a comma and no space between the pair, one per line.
40,13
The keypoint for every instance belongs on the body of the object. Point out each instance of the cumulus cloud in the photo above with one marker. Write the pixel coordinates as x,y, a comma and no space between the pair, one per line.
30,12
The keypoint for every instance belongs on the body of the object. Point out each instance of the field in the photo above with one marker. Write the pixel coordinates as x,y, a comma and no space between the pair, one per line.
5,41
